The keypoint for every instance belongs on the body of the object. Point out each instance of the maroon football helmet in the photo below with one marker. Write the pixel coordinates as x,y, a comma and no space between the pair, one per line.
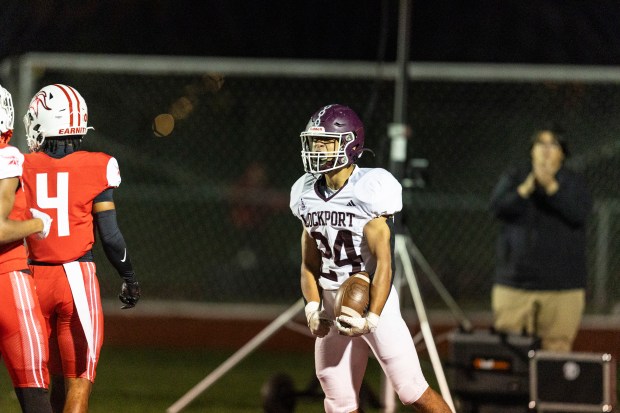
332,122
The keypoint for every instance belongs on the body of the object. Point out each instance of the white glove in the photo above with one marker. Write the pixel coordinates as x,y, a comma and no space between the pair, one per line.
356,326
47,222
318,322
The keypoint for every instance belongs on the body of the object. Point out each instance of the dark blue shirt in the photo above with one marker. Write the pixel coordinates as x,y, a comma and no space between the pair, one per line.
542,239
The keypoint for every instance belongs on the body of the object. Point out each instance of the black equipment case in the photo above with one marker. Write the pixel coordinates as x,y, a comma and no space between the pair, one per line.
572,382
486,366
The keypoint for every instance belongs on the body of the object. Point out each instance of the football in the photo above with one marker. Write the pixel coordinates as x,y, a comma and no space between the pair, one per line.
353,296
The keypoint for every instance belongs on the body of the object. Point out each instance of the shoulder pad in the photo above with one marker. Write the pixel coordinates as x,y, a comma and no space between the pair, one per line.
113,173
303,183
380,191
11,162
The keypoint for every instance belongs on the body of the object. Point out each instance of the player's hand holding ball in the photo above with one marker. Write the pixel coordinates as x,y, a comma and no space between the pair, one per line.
351,306
356,326
318,322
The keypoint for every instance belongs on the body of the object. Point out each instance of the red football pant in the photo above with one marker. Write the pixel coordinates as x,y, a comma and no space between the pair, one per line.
70,355
23,339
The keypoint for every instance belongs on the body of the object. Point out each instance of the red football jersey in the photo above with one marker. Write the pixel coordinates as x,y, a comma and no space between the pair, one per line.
65,189
13,255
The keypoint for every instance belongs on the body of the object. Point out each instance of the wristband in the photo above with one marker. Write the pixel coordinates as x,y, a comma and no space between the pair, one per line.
310,308
373,320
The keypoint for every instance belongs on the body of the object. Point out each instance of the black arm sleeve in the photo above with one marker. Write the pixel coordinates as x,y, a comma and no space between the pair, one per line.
105,196
573,200
114,244
505,201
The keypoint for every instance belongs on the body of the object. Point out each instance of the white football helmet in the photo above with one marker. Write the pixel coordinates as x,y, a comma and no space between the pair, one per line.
55,111
7,114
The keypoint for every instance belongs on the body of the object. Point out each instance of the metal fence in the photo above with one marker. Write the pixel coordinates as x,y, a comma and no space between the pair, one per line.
205,210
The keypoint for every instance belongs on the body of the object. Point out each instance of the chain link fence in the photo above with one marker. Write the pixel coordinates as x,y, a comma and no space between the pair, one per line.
205,210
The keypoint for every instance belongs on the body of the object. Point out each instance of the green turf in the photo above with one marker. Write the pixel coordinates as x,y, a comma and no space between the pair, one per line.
149,380
145,380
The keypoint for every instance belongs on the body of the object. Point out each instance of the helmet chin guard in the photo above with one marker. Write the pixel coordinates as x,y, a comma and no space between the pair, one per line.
7,113
55,111
332,122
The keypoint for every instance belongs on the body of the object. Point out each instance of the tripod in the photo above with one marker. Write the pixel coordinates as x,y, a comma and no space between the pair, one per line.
405,249
406,253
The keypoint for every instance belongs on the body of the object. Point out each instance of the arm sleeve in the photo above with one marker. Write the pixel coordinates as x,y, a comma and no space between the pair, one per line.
573,200
505,201
114,244
106,196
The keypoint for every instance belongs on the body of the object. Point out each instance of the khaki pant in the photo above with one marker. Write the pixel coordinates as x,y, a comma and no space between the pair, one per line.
554,316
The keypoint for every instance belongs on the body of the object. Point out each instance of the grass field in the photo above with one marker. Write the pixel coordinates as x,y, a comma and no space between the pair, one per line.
147,380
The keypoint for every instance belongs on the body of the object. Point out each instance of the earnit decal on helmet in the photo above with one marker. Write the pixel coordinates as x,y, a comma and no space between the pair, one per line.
55,111
333,138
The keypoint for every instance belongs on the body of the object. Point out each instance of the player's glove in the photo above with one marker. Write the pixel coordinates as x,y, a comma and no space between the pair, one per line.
356,326
130,294
47,222
318,322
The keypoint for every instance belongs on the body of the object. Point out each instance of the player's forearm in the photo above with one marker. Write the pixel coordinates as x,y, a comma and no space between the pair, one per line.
114,244
380,288
309,287
310,264
119,258
377,235
11,231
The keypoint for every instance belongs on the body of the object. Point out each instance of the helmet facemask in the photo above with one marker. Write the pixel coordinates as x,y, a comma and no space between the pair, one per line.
7,115
332,122
324,161
34,138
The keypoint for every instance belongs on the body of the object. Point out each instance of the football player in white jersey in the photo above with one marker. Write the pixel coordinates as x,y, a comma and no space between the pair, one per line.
23,339
347,216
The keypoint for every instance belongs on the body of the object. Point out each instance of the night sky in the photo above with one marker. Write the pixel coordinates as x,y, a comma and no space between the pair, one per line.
509,31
